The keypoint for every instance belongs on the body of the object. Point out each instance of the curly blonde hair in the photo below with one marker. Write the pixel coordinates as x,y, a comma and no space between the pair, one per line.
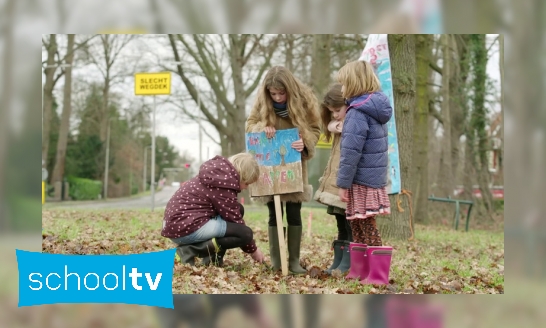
301,101
247,167
358,78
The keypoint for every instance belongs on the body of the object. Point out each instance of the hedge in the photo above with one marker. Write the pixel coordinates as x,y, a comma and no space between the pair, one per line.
84,189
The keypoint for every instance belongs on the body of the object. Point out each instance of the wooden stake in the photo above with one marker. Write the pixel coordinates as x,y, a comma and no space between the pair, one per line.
280,231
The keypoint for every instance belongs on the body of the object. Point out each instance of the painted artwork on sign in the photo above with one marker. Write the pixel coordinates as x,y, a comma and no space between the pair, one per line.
280,164
376,52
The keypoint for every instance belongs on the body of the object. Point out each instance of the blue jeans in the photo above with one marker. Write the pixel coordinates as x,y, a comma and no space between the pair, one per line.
215,227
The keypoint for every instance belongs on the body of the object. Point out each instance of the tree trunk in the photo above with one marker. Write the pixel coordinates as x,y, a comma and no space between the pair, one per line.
479,117
455,109
58,171
48,94
6,93
402,54
320,70
458,105
501,132
469,167
237,136
420,131
289,54
446,174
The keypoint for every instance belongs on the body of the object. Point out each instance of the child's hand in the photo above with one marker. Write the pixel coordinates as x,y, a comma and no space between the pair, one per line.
343,195
270,132
298,145
257,256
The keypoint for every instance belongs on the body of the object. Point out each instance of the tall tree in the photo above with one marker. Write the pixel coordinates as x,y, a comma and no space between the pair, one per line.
58,171
402,54
104,54
478,135
446,168
239,75
321,69
47,103
501,70
52,64
420,131
5,100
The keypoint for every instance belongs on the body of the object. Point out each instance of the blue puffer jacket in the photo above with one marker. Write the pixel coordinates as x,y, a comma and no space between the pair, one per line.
364,142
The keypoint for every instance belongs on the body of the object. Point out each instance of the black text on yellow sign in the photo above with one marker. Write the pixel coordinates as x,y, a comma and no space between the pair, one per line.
152,83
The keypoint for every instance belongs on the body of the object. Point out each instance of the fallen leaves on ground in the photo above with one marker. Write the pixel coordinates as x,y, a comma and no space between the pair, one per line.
439,261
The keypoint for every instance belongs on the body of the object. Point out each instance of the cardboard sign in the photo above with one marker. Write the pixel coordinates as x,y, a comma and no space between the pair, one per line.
280,164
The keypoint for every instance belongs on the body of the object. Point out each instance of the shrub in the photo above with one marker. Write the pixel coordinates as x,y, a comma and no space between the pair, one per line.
84,189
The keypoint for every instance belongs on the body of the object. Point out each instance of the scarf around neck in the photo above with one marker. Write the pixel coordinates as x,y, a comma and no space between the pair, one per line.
280,109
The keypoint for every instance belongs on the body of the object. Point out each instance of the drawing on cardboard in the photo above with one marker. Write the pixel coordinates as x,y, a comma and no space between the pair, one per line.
280,164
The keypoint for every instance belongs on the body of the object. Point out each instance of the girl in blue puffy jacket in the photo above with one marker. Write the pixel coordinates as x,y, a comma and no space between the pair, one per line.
363,166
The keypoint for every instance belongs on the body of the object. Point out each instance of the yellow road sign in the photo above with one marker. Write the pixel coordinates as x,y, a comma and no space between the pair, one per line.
153,83
323,144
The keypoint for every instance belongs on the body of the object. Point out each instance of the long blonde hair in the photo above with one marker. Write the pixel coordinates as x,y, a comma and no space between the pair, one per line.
301,102
247,167
358,78
332,98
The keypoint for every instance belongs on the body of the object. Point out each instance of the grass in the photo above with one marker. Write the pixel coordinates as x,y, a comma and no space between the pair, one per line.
439,260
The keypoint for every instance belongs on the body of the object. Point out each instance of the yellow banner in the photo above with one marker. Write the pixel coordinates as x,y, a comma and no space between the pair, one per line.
153,83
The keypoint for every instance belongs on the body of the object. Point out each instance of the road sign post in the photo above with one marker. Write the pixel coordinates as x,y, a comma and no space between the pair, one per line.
44,178
152,84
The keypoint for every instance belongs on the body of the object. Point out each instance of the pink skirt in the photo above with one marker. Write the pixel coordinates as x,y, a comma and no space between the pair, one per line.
365,202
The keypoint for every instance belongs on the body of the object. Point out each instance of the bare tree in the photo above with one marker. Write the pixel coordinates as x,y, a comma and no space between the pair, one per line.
446,175
237,74
58,170
478,140
51,66
321,69
104,54
501,69
420,131
47,104
5,101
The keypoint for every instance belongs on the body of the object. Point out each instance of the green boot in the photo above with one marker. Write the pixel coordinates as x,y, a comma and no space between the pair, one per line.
274,247
188,253
294,244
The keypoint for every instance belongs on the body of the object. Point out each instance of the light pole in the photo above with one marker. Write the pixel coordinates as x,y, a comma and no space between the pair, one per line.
106,160
153,158
145,167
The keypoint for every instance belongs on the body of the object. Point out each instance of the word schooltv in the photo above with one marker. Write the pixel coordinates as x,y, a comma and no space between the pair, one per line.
92,277
144,279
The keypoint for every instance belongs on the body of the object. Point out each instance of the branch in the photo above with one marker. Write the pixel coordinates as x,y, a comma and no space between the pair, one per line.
191,88
207,69
435,67
432,111
247,56
492,44
272,47
58,77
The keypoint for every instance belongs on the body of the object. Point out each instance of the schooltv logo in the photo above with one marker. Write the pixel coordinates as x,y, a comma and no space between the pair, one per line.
143,279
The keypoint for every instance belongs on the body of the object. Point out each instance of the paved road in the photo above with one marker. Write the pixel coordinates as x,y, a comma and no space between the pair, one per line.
145,202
